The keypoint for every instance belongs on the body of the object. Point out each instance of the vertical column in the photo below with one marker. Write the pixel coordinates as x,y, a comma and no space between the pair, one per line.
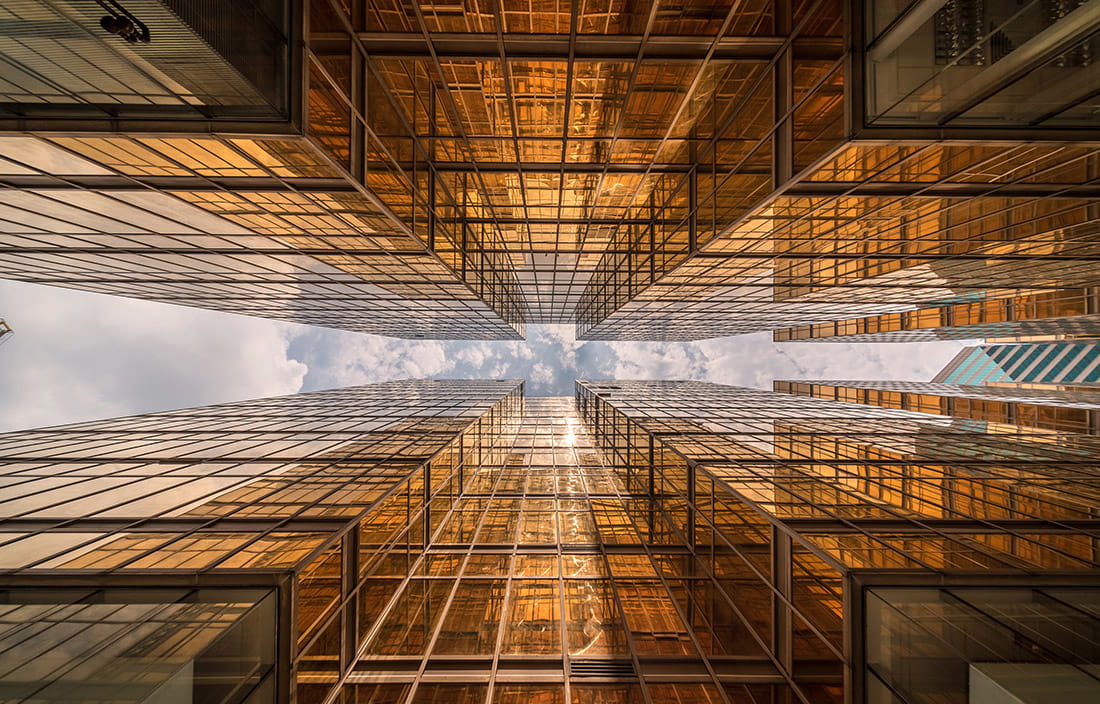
689,472
432,119
693,203
463,224
782,646
651,482
358,96
349,616
783,99
425,504
651,500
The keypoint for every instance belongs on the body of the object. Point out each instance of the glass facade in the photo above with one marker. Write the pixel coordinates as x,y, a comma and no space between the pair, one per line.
974,63
1070,313
1073,408
643,542
194,169
873,170
138,645
221,554
201,60
644,170
876,229
908,552
256,226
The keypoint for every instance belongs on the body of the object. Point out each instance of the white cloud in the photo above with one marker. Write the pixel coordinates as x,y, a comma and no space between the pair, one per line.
336,358
542,374
561,335
77,356
662,361
475,354
547,359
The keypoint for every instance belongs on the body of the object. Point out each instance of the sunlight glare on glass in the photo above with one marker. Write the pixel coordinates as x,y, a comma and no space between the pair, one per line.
570,437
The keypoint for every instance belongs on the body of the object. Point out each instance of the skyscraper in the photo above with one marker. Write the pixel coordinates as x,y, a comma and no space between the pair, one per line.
452,541
211,166
216,554
1038,364
648,170
900,548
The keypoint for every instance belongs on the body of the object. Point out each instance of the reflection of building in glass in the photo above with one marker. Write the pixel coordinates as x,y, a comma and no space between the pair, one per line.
5,331
646,170
450,541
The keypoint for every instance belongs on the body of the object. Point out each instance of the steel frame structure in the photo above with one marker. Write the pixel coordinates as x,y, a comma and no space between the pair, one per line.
645,541
589,164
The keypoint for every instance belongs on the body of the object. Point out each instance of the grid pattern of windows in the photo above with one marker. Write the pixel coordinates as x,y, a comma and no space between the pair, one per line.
564,138
1071,312
872,229
75,490
1053,408
803,501
551,579
647,170
254,226
160,548
645,542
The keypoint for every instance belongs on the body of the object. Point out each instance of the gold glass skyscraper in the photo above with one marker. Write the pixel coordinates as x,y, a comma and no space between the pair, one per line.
451,541
645,170
828,169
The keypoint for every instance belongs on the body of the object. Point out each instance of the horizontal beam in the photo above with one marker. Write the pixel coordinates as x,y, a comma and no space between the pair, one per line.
571,167
40,117
656,668
942,525
756,255
201,251
557,221
162,577
589,47
170,525
942,190
107,183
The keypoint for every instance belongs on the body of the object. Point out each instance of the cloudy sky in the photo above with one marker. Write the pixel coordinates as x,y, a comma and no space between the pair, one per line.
80,356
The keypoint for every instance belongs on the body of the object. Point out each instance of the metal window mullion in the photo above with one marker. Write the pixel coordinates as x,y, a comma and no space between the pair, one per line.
783,101
782,608
685,619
